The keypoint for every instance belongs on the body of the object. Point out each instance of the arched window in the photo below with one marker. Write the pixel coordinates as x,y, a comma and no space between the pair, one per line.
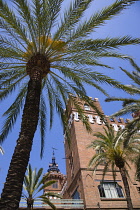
86,107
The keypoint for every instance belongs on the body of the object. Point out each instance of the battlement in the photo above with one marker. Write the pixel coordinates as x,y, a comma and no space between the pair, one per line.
91,114
84,105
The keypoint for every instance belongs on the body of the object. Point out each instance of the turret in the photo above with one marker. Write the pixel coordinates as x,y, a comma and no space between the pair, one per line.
55,174
53,166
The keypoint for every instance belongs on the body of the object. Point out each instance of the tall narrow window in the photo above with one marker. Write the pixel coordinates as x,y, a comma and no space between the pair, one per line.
55,185
76,195
110,190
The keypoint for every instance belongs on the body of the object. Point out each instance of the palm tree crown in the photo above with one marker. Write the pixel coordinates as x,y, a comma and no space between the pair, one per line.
116,149
34,182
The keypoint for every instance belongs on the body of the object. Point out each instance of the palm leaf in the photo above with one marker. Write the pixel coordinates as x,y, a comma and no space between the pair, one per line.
130,105
12,113
71,17
42,120
99,18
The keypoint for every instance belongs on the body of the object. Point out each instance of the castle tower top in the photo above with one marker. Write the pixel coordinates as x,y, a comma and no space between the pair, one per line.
53,166
55,175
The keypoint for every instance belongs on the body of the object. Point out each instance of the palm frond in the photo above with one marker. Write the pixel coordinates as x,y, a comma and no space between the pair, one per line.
42,121
129,109
36,182
12,113
6,91
81,112
12,24
86,77
24,11
49,183
71,16
48,88
51,9
132,76
133,63
11,76
130,105
99,18
47,201
10,43
101,45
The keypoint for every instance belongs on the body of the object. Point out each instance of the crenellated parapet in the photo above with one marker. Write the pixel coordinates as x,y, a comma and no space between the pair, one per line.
93,117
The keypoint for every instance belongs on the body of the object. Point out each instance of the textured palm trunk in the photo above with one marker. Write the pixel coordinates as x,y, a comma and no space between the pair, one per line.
11,194
30,203
126,187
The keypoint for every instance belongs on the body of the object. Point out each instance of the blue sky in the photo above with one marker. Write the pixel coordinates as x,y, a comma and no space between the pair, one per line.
127,23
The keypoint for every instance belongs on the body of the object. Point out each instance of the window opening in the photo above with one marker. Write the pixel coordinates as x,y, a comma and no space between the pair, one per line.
76,195
86,107
110,190
55,185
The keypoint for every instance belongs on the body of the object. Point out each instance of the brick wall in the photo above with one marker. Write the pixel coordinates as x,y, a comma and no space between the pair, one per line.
79,176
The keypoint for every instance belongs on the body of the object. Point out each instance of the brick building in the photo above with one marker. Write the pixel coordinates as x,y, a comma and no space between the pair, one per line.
55,175
80,182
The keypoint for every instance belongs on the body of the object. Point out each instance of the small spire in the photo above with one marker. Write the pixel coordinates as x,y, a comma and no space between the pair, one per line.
53,166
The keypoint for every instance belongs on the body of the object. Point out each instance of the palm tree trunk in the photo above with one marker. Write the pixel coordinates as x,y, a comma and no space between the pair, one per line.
126,187
12,191
30,203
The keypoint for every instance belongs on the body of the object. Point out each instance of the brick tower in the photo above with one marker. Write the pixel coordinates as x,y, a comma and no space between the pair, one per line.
55,174
82,183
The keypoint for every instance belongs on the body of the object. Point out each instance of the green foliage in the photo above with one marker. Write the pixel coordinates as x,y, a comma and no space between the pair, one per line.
34,182
115,149
47,201
35,27
118,150
130,105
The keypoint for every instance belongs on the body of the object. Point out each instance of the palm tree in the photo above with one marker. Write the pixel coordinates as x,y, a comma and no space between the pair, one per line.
34,182
116,149
130,105
46,62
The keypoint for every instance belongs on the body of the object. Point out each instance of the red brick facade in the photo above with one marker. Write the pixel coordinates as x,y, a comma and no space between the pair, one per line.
81,181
